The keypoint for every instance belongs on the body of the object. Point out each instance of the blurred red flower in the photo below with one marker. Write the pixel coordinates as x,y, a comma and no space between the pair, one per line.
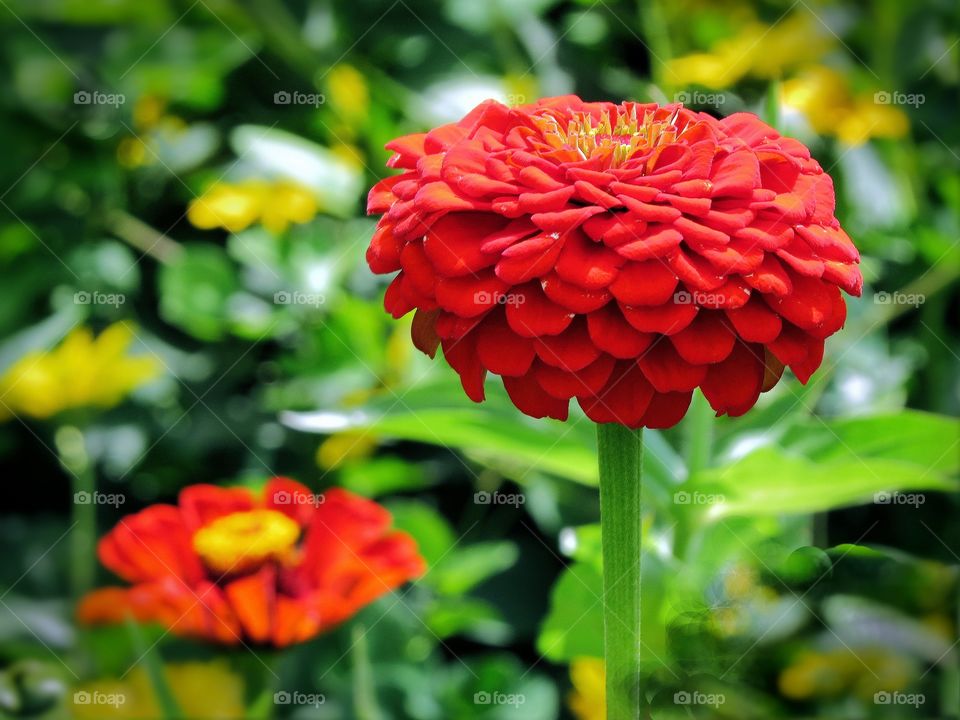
619,254
226,566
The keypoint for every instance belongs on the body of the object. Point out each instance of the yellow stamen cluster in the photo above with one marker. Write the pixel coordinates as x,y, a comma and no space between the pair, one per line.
621,138
246,540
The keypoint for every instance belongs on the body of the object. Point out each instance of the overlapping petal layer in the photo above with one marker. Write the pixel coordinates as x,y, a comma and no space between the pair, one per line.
619,255
342,556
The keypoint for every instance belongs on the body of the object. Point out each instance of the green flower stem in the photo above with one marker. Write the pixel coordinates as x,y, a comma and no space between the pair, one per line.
72,451
657,37
150,658
364,693
620,452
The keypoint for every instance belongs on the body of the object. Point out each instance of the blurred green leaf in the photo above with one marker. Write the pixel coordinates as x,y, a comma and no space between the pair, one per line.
195,291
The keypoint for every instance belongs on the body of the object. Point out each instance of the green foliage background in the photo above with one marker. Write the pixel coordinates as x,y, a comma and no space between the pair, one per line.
94,196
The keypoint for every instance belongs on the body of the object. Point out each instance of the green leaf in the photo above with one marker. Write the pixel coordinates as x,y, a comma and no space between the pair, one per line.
773,482
574,625
468,616
464,568
493,432
195,291
924,439
432,532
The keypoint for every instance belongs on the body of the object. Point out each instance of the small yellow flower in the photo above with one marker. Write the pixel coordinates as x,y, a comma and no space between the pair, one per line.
147,111
823,96
237,206
588,700
757,50
347,92
344,447
288,203
233,207
81,372
861,672
202,690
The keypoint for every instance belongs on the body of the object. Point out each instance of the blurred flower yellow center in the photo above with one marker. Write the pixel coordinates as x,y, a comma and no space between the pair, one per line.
244,540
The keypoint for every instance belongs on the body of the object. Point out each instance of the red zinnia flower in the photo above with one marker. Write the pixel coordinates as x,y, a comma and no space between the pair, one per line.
619,254
227,566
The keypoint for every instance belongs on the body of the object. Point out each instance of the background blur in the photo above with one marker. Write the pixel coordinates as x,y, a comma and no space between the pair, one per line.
188,178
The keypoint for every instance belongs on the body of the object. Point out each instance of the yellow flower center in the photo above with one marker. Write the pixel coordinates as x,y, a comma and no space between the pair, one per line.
245,540
621,137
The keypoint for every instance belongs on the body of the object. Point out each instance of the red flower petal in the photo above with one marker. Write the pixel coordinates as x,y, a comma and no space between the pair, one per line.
462,356
667,371
502,351
706,340
666,409
533,400
571,350
586,263
733,386
644,283
666,319
755,321
531,314
565,385
624,399
454,243
610,331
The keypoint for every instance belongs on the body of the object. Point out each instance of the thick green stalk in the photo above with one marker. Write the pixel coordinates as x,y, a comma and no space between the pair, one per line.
72,450
620,451
364,693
